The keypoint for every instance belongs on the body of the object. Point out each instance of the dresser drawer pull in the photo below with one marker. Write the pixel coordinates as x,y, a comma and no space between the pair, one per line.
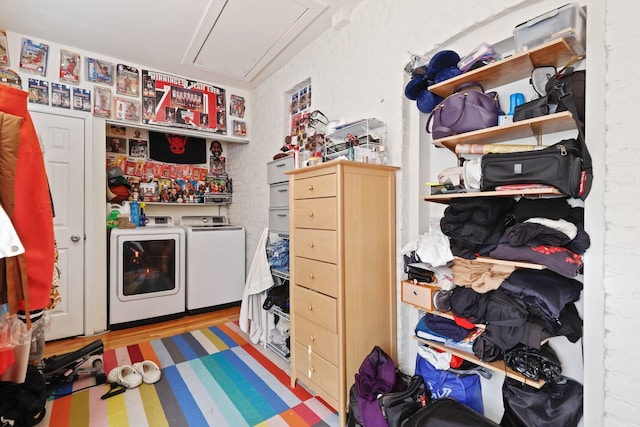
282,215
312,370
282,190
312,276
311,244
310,307
310,188
312,338
310,214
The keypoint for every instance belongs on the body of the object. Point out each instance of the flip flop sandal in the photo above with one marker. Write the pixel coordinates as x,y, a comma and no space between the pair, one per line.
149,371
125,375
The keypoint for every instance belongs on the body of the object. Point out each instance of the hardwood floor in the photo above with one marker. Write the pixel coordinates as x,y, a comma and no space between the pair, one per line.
123,337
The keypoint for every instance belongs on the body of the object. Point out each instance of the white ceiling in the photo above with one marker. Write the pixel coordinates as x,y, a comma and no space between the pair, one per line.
230,42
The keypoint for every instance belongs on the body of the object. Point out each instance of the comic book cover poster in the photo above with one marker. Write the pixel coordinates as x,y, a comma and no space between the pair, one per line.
39,91
178,102
237,106
69,67
149,191
127,109
200,174
60,95
152,170
81,99
218,166
4,49
239,128
33,57
216,184
127,80
303,101
294,103
164,184
99,71
138,148
116,144
185,171
102,102
130,166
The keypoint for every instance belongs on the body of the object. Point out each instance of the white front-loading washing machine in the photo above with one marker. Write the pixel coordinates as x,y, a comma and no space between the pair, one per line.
146,273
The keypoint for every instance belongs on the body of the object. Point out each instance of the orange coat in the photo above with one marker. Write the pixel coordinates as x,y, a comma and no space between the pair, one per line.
25,196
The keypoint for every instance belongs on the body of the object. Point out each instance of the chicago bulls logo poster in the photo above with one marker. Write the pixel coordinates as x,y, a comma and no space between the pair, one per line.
169,148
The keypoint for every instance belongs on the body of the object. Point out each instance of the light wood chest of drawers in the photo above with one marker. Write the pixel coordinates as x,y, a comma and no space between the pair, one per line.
343,260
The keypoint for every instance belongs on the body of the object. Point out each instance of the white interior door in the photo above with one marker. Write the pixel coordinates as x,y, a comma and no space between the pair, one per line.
62,140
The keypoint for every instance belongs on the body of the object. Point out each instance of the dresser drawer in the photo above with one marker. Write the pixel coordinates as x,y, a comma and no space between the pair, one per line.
279,220
316,213
321,245
316,186
317,275
320,371
279,195
317,339
315,307
277,168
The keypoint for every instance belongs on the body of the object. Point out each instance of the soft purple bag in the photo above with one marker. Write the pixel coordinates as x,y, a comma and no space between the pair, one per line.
466,110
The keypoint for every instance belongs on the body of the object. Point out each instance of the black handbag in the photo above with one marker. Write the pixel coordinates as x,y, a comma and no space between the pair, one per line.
398,406
565,165
558,404
447,412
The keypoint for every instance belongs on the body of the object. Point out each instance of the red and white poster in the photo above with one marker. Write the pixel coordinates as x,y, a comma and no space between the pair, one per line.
178,102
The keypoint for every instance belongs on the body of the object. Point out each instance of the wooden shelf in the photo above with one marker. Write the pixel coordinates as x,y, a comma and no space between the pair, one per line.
536,127
447,198
556,52
497,366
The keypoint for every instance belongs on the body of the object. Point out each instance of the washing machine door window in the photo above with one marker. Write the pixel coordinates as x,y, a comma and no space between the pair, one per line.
149,266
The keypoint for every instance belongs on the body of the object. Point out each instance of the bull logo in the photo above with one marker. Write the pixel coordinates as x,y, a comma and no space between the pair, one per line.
177,143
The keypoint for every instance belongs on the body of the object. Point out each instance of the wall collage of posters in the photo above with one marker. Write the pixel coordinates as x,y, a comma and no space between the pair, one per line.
175,169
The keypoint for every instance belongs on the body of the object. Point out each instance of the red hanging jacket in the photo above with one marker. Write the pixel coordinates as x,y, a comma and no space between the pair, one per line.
32,215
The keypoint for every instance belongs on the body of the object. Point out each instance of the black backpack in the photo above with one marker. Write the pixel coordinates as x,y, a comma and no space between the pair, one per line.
24,403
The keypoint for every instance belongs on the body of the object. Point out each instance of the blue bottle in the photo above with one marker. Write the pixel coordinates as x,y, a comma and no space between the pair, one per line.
135,213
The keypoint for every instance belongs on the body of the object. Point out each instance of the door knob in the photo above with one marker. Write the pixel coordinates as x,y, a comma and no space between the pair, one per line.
75,238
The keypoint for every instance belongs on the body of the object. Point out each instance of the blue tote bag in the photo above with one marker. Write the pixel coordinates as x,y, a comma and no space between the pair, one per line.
465,389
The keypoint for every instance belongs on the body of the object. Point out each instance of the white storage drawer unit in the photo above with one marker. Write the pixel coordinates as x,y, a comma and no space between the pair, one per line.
277,168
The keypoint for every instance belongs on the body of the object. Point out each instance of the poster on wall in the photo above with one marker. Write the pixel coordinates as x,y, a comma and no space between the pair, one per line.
69,65
33,57
177,102
99,71
60,95
127,109
102,102
38,91
4,49
237,106
81,99
128,80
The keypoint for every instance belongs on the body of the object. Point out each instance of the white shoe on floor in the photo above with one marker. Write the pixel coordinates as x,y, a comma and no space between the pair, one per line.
149,371
125,375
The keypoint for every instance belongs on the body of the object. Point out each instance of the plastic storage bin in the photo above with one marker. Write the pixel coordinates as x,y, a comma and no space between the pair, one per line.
568,21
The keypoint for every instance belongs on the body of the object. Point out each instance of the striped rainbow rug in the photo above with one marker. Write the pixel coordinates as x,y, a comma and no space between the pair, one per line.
210,377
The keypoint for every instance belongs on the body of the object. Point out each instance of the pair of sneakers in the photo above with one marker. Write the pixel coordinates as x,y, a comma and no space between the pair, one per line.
131,376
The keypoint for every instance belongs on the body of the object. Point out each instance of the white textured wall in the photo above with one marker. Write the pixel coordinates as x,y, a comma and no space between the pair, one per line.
621,227
357,72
